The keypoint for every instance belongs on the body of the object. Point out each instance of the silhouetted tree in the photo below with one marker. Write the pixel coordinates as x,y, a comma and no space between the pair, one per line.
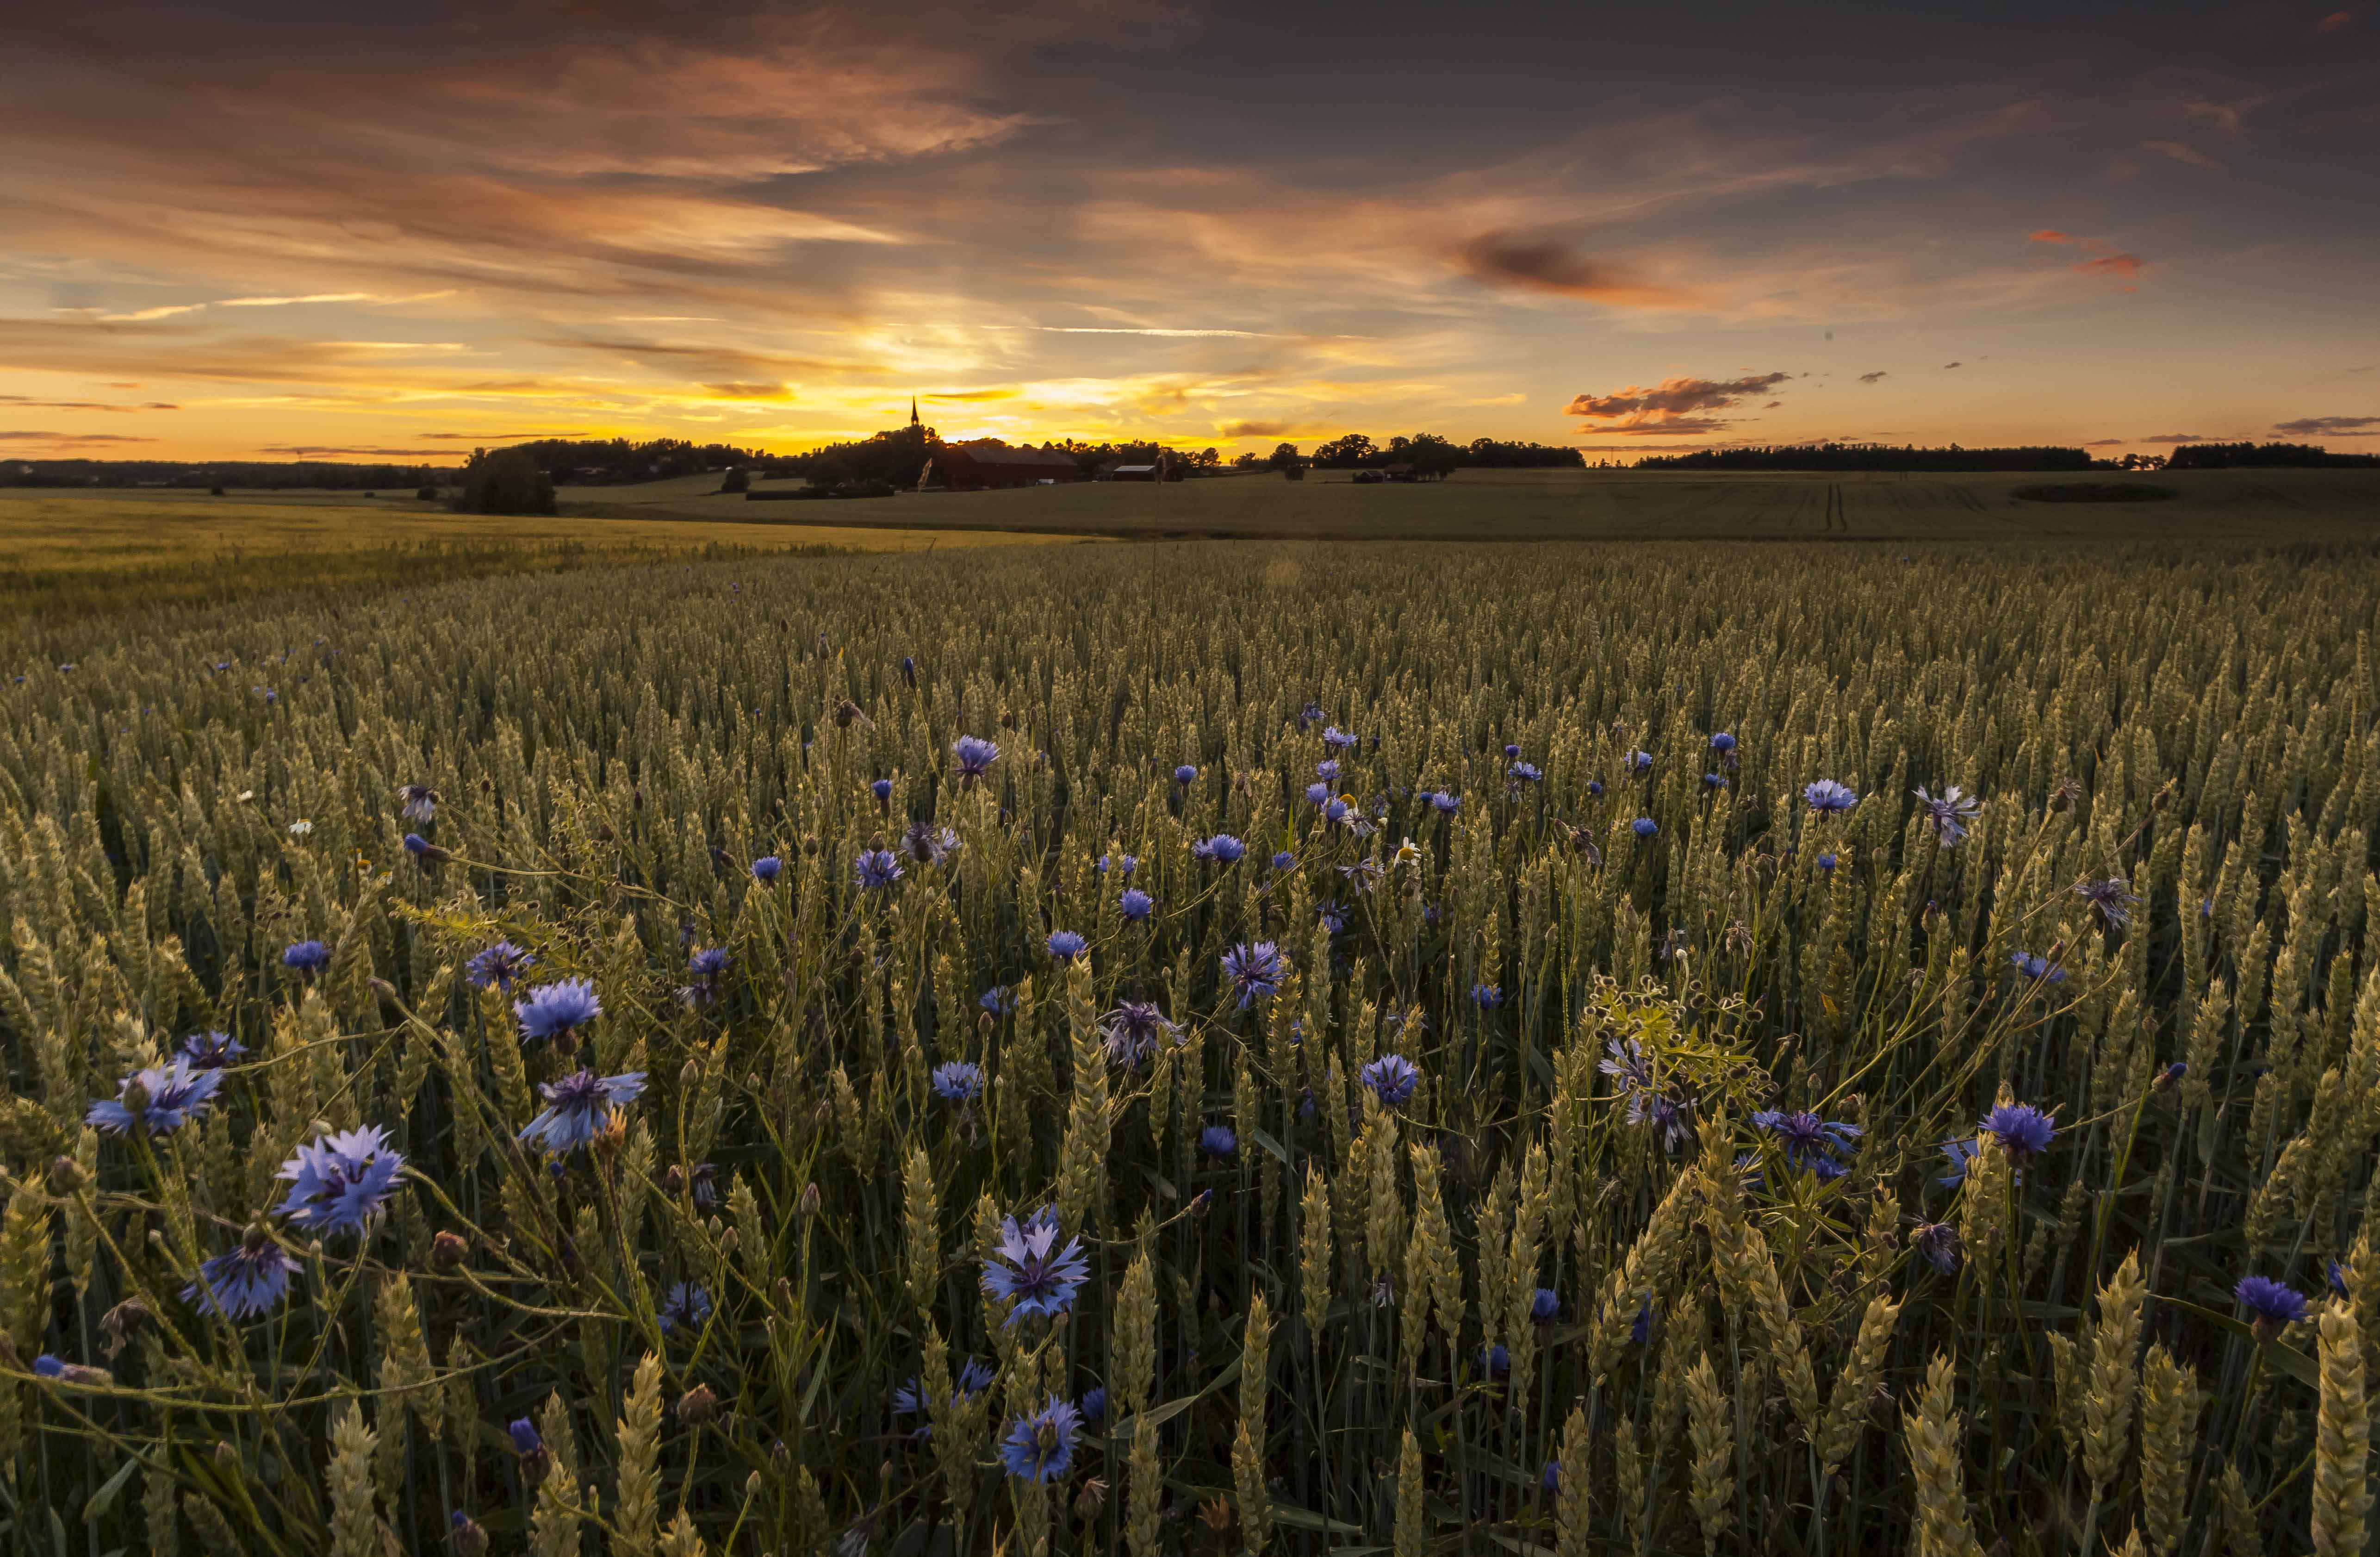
506,482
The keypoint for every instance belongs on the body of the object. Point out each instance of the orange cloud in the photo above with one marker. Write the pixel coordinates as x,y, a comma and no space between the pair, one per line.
2335,23
2181,152
2048,234
2115,264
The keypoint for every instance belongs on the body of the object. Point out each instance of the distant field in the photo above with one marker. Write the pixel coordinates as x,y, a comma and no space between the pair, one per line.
73,553
2280,506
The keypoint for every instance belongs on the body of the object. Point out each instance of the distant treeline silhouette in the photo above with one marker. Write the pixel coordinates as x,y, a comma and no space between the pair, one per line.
253,475
2225,456
1874,456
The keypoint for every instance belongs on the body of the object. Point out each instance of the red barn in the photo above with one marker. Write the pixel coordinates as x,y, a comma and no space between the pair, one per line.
981,466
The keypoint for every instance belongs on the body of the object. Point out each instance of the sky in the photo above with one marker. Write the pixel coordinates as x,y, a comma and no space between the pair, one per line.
267,229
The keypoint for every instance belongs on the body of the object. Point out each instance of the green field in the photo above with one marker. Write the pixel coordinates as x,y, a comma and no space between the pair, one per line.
67,554
2246,506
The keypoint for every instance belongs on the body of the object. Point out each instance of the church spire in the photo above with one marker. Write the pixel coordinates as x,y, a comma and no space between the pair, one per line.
912,410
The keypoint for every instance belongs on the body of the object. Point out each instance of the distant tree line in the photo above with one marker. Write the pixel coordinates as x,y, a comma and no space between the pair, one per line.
1429,453
251,475
2226,457
1874,456
598,462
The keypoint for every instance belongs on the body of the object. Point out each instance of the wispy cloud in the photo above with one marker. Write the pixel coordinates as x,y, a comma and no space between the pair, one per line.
1670,405
2334,427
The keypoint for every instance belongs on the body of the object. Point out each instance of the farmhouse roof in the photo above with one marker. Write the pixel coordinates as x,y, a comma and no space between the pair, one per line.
1134,470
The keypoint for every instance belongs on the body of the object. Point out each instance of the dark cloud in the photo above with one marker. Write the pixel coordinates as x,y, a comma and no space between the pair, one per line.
1673,397
1871,378
2048,234
2175,438
28,403
318,451
2333,427
1666,424
501,437
72,438
1951,364
1504,259
2105,443
757,390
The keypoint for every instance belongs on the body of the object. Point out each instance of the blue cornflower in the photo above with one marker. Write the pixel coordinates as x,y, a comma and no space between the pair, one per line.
2022,1130
959,1081
687,1306
498,967
1317,794
1094,1404
1124,864
1221,850
339,1181
1039,1447
1255,971
1037,1276
1937,1241
1327,771
1333,915
1643,827
1948,813
159,1099
1512,749
1722,743
1186,775
976,756
1486,996
1639,764
2114,899
577,1106
1641,1329
1134,905
877,870
911,1399
2335,1274
1284,860
1065,945
1826,863
929,845
1551,1478
910,670
1714,781
1336,738
707,962
1307,715
1528,773
306,956
1392,1078
1544,1305
1000,1000
881,789
45,1366
1217,1140
558,1009
1594,788
1826,796
525,1437
2272,1305
1446,803
421,847
766,868
1335,811
1961,1155
2032,965
1807,1140
248,1282
1497,1361
417,802
211,1050
1132,1031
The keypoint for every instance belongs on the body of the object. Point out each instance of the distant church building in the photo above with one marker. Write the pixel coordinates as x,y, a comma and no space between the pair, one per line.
987,463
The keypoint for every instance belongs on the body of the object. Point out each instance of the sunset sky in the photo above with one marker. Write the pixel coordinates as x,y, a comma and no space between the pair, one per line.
279,230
